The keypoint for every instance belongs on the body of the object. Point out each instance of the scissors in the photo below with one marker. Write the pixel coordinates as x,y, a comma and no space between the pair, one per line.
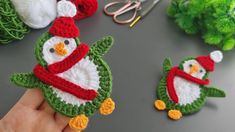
128,6
145,12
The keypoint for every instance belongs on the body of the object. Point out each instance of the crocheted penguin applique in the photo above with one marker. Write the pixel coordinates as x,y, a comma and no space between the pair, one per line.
74,78
182,89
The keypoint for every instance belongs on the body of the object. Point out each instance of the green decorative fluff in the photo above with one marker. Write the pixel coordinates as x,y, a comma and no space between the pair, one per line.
11,26
214,19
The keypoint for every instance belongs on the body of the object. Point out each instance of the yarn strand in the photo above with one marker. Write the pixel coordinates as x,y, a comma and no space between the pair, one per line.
11,26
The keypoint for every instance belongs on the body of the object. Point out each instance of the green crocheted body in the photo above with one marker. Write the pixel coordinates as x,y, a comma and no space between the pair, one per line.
90,107
193,107
95,54
11,26
170,105
214,19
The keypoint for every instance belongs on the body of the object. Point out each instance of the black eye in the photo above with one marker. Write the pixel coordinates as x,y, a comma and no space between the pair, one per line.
52,50
66,42
201,71
190,65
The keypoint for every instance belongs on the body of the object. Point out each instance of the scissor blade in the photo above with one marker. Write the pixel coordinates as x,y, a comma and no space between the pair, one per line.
141,1
149,8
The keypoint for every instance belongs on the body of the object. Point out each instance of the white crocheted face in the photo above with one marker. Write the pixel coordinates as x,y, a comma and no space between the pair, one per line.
58,48
193,68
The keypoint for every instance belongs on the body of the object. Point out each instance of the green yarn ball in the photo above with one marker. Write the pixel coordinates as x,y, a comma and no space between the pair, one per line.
214,19
11,26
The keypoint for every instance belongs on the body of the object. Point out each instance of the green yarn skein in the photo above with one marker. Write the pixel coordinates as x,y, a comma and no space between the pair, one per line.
11,26
213,19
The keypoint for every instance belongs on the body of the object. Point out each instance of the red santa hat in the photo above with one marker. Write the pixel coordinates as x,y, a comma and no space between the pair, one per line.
64,25
208,62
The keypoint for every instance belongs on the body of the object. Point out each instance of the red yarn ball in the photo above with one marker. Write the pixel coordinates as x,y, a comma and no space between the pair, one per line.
85,8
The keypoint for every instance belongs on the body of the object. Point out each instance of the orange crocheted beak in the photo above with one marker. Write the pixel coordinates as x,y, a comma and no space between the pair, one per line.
60,49
194,69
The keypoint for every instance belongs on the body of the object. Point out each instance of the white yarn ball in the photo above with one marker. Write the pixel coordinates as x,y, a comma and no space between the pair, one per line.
66,9
216,56
36,13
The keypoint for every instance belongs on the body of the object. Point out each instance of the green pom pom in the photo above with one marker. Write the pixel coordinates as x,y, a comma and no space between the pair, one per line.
229,44
225,25
184,21
172,10
196,7
214,19
191,30
212,38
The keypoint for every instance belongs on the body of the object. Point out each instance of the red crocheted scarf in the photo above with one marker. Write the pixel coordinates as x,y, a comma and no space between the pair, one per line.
49,76
71,60
175,71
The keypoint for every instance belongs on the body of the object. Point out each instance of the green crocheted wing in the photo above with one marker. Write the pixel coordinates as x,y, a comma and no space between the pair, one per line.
214,92
27,80
167,65
100,47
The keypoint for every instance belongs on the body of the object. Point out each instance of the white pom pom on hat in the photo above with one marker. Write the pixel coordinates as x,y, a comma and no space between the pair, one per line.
66,9
216,56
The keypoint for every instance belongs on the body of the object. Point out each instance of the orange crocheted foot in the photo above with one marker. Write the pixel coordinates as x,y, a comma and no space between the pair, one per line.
107,107
174,114
160,105
79,122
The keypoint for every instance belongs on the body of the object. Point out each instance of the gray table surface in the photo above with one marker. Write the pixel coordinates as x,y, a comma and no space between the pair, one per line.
136,62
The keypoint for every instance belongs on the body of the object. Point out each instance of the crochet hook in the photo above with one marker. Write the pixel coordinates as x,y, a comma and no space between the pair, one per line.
145,12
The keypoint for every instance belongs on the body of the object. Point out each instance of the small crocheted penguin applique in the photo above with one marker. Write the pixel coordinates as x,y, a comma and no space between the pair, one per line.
183,89
74,78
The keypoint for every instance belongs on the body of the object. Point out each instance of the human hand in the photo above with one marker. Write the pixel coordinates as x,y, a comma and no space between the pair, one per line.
33,114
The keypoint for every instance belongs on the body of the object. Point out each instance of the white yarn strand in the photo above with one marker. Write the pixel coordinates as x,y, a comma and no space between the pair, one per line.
36,13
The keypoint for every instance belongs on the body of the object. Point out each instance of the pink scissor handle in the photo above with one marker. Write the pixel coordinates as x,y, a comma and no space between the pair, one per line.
127,7
128,3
